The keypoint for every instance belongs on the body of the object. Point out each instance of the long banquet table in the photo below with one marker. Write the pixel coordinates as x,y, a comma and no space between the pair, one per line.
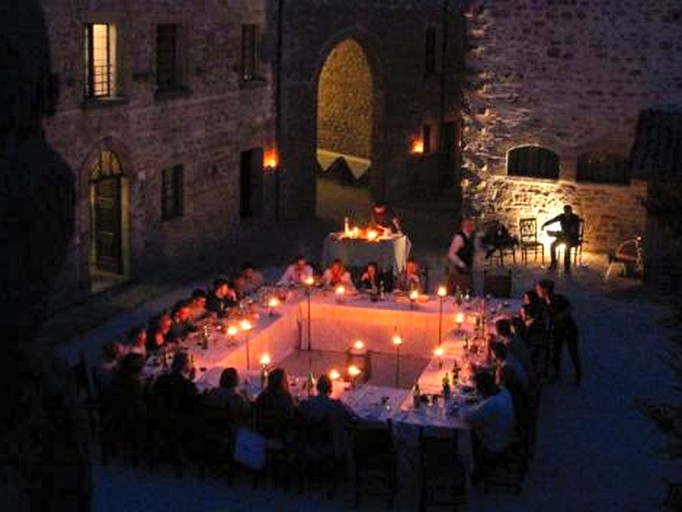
334,325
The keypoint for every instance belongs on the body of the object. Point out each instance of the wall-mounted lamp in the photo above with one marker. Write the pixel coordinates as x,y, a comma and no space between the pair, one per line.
270,159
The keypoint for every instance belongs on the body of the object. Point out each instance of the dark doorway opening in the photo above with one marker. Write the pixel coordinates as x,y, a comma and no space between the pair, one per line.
251,183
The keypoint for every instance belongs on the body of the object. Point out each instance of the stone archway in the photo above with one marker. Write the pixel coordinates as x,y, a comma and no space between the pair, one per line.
347,111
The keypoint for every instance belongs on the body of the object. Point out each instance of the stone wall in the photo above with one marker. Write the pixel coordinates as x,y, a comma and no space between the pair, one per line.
570,76
203,127
344,102
611,213
392,34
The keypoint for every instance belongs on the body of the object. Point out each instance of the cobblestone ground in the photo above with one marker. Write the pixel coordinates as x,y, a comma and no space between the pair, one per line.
594,451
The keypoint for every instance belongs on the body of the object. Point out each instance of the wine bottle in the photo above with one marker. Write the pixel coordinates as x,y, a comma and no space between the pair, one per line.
416,395
446,387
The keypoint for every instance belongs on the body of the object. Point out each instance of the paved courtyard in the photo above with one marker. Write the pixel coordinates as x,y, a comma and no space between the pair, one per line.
594,450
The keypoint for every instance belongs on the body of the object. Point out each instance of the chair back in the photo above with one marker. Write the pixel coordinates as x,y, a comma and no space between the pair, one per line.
528,230
498,284
372,440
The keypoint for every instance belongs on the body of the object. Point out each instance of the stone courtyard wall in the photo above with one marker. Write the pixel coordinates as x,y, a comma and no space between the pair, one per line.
204,127
344,105
570,76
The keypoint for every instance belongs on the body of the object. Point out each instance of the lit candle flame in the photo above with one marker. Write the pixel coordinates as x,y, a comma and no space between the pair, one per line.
340,290
309,281
414,295
372,235
245,325
417,147
397,340
270,159
442,291
335,375
359,345
438,352
459,318
354,371
273,302
265,360
232,330
356,232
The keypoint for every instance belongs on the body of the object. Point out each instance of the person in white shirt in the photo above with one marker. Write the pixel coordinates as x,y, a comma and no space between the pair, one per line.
296,273
460,258
492,421
337,275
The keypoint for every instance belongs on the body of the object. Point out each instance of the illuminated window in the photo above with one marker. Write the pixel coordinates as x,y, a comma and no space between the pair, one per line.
100,60
430,57
533,162
172,184
603,168
250,51
168,69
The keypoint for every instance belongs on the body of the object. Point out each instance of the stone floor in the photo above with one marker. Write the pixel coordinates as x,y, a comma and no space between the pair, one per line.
594,450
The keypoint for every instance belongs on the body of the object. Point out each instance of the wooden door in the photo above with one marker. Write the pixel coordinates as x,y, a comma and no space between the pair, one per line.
107,224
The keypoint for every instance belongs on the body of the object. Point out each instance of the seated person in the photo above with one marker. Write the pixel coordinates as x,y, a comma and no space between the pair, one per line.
127,398
497,236
296,273
159,332
492,421
197,306
238,285
112,353
409,279
337,275
323,406
515,345
138,342
630,253
254,279
371,278
221,299
384,218
177,389
275,407
226,395
181,326
569,236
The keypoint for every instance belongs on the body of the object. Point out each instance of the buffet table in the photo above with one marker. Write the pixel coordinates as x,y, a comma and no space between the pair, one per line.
388,252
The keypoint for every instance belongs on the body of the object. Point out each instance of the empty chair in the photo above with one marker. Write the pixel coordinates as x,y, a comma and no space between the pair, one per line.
497,284
374,460
442,477
528,240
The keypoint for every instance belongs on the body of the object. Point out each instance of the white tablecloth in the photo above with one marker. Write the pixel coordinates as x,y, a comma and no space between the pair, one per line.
389,253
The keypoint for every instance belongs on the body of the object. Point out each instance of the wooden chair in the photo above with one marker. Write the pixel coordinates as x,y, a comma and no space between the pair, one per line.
440,468
528,240
373,460
498,284
577,249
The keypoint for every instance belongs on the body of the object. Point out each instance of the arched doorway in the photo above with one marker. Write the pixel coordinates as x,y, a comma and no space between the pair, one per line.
345,117
106,255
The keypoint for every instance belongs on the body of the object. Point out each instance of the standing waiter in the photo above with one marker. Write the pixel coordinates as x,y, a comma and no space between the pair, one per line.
461,258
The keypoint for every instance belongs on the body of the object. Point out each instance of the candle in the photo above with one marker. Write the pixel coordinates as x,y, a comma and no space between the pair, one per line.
414,295
356,232
397,340
442,291
372,235
334,375
273,302
340,290
359,345
438,352
265,360
459,319
245,325
309,281
354,371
